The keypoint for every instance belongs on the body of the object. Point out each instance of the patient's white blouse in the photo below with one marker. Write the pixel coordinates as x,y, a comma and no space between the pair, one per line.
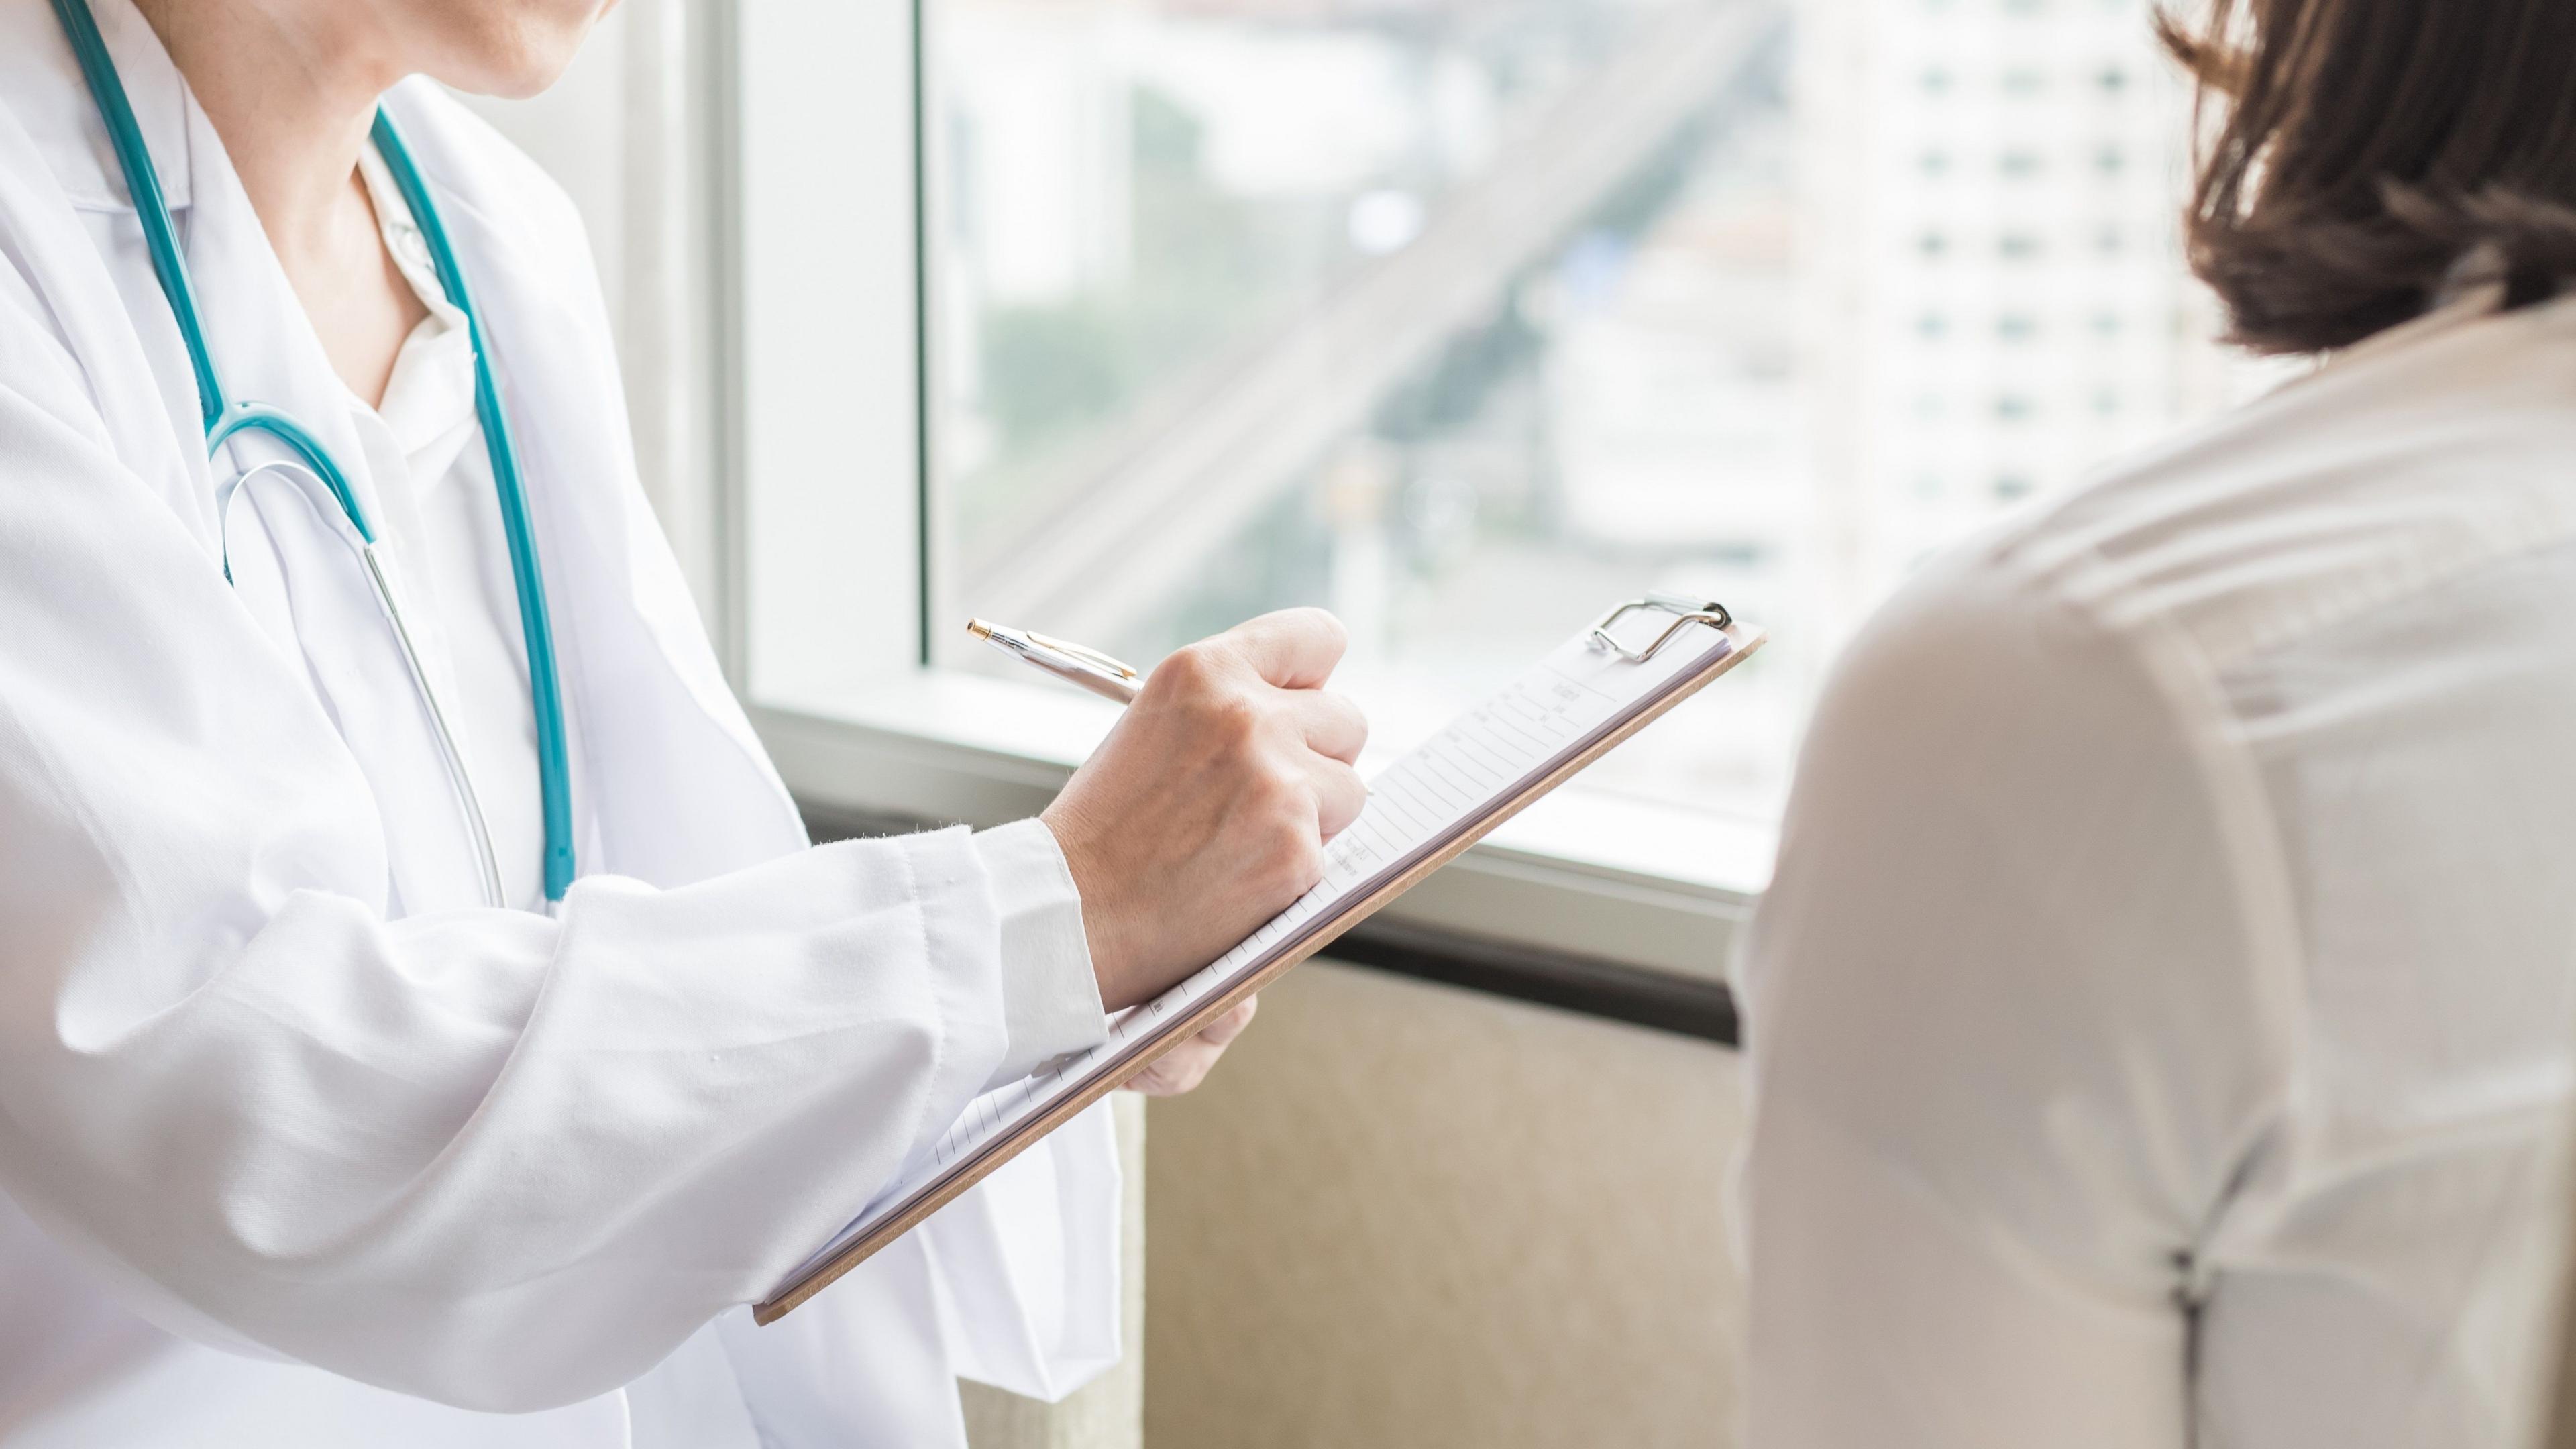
2161,1022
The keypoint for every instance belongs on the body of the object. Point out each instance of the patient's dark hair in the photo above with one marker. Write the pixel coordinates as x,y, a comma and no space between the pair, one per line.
2352,151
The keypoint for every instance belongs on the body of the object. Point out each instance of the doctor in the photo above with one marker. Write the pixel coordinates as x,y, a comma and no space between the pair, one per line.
421,1019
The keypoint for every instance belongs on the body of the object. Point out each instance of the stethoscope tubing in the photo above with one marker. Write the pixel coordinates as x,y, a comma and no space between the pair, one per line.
527,572
460,780
226,420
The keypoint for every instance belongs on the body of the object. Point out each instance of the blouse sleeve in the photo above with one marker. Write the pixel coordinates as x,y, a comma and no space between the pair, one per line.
2007,1043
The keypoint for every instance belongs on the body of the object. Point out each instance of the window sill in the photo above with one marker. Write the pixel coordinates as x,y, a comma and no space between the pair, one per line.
1579,872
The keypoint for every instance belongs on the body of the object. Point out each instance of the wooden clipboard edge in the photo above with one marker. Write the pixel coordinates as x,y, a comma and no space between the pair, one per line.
1747,639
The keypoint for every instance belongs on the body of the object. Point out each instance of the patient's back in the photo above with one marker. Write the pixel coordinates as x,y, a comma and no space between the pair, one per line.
2162,1020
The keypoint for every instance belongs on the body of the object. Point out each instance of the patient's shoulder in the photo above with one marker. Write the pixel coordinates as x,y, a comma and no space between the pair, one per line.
2415,460
2144,619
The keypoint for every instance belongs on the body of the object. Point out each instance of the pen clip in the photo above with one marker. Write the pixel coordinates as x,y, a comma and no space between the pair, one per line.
1087,656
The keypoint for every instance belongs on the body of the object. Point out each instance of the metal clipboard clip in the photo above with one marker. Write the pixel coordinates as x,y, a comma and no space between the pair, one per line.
1688,610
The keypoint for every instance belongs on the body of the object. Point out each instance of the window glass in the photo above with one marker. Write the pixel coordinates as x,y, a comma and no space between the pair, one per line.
1467,318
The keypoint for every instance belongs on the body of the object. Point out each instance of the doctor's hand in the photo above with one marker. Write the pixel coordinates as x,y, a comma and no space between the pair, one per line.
1185,1066
1205,811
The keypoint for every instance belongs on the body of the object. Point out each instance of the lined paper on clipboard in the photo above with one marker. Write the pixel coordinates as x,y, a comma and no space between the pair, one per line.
1586,696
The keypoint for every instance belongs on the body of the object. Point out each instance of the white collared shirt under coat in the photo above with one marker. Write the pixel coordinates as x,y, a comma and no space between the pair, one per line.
2163,1019
299,1144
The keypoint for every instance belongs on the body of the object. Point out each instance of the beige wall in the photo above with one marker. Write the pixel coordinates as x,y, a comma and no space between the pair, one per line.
1408,1217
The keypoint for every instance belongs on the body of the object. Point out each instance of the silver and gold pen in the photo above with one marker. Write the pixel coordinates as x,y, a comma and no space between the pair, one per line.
1088,668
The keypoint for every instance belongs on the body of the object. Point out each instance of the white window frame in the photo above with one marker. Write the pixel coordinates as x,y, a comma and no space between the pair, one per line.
822,501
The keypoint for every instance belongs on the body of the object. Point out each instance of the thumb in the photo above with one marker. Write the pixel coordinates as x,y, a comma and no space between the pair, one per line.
1293,648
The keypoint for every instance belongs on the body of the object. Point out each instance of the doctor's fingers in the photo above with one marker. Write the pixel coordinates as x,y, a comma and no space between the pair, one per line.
1333,726
1229,1026
1340,794
1293,648
1185,1066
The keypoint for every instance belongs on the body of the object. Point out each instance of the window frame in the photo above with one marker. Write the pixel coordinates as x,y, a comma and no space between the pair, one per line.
825,510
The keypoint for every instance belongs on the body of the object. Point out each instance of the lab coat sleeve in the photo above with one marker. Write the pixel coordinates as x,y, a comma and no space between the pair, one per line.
488,1158
2008,1041
1050,993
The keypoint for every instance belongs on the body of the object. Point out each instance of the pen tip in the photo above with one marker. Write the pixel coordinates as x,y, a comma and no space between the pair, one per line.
979,628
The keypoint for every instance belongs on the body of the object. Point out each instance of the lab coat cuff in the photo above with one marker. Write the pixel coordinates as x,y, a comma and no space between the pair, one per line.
1050,998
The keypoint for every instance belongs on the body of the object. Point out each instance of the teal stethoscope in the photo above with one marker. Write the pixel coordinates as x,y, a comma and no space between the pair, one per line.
226,419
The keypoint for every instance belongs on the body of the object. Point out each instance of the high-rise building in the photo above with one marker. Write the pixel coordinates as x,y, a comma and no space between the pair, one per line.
1995,300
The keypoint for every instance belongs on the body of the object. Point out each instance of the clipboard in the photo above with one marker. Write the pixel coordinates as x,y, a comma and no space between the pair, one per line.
1601,687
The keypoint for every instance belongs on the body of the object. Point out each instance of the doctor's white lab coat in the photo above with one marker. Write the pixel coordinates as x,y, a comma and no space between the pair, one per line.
297,1144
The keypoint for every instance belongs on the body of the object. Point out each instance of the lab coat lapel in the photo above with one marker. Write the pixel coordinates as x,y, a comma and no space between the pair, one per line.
128,347
679,786
35,57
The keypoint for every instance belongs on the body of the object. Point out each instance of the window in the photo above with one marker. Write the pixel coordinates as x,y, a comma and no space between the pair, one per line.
1464,321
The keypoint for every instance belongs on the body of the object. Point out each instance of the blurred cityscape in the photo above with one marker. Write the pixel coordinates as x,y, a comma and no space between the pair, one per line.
1467,318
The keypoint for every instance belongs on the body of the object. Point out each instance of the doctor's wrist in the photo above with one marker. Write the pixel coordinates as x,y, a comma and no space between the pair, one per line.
1111,945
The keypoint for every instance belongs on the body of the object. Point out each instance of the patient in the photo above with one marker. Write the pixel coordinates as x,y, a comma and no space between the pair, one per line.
2161,1025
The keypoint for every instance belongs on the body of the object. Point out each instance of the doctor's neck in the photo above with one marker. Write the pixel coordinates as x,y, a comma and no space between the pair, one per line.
291,86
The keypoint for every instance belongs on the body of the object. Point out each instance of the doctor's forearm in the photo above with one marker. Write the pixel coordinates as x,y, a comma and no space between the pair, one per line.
559,1148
